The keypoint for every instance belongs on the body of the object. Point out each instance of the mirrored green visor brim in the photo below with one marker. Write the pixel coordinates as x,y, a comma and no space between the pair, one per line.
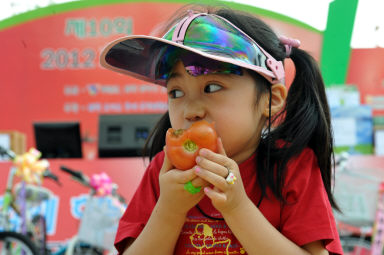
154,61
208,37
143,58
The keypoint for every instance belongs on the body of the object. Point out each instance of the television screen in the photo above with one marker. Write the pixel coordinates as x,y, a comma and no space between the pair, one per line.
58,139
124,135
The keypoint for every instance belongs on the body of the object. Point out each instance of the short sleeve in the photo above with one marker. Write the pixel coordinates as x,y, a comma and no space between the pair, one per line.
140,207
308,216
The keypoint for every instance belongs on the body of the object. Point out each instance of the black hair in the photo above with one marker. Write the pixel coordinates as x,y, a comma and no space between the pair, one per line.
304,121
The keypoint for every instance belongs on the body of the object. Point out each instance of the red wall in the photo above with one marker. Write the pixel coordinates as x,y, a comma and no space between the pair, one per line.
366,71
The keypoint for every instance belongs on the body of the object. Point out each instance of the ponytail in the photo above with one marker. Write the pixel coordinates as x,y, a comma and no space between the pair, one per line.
306,123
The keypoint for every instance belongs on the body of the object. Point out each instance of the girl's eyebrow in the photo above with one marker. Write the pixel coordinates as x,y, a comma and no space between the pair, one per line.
177,74
173,75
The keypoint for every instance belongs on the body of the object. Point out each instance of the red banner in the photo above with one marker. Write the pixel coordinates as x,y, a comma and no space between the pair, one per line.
52,72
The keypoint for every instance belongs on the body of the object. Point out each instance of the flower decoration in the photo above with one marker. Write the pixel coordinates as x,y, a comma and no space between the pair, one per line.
102,184
29,166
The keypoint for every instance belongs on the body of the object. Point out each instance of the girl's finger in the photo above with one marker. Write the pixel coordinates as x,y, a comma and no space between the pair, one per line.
178,176
214,179
183,176
220,159
215,195
220,147
198,182
212,166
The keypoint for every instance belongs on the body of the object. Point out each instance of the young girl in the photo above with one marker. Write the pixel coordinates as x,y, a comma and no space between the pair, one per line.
268,189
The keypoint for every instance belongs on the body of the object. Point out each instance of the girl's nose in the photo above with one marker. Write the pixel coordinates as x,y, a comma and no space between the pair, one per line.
194,111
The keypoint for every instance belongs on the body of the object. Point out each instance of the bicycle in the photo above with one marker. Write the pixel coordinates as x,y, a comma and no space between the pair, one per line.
360,195
30,237
95,236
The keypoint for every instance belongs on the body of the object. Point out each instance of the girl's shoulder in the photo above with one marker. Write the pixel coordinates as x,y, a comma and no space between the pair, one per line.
306,159
306,156
302,169
156,162
158,159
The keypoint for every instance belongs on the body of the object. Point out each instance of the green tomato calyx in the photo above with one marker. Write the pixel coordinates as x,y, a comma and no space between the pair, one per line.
190,146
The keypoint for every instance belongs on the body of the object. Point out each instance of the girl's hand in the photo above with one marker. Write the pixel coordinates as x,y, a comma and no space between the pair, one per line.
173,197
214,168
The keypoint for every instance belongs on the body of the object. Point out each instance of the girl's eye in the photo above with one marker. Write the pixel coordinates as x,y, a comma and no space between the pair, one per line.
210,88
175,93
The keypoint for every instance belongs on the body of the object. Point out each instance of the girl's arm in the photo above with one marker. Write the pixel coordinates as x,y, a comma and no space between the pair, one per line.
248,224
163,228
255,233
160,234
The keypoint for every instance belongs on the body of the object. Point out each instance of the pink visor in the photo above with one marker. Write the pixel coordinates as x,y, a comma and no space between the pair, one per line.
208,41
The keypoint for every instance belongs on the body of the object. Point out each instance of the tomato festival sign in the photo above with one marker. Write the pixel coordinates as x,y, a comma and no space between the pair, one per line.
51,68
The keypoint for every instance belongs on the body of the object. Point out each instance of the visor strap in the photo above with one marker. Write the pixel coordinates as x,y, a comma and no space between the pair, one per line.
277,68
181,28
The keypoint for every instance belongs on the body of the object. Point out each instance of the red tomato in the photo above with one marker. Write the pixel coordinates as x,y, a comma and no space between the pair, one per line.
183,145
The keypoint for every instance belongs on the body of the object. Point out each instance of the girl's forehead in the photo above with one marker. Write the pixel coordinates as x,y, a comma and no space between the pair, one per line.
197,65
199,70
180,72
177,71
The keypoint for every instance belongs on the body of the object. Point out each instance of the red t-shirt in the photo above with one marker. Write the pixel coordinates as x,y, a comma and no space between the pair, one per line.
306,217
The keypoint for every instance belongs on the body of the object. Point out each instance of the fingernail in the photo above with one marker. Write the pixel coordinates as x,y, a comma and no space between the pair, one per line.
206,190
203,152
197,169
198,159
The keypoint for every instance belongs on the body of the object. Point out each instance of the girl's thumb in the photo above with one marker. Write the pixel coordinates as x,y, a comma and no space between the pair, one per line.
220,147
167,165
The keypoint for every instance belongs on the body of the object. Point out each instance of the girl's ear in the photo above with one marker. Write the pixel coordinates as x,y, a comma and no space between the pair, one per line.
279,94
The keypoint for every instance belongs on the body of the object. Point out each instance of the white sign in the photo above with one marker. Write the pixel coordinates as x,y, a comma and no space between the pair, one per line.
5,142
379,142
344,130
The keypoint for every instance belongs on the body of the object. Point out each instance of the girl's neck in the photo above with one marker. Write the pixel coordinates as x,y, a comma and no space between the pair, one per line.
246,153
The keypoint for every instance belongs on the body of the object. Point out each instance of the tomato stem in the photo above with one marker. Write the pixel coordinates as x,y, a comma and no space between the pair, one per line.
190,146
178,132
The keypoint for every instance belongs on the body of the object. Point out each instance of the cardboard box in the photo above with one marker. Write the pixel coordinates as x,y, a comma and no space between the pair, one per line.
13,140
353,129
378,127
343,95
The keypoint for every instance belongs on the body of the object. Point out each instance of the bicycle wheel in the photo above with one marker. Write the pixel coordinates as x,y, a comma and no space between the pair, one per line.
12,243
76,247
39,235
85,249
81,249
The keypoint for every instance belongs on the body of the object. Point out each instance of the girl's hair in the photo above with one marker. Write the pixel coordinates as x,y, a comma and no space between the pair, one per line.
304,121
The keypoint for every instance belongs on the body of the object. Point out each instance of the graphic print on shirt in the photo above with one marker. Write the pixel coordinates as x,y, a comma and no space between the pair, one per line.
202,236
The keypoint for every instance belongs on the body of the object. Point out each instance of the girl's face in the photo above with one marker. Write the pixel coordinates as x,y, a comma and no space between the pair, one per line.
228,100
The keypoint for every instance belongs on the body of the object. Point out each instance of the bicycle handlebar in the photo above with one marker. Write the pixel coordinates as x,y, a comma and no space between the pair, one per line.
84,179
48,174
121,198
78,175
6,152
